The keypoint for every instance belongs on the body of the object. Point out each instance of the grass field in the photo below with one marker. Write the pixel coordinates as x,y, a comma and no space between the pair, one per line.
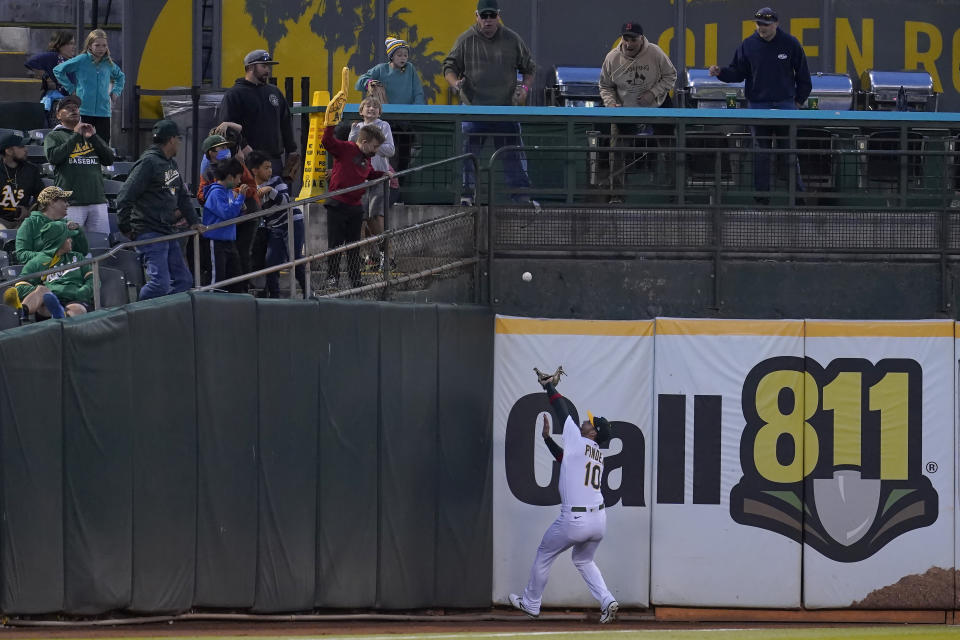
890,632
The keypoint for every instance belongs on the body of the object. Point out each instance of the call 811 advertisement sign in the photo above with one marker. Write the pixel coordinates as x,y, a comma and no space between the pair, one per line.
784,463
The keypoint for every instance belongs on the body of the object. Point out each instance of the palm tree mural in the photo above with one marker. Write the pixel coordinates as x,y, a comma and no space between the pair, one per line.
370,49
336,21
269,17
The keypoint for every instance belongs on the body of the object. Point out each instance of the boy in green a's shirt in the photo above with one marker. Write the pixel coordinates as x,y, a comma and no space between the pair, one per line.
66,292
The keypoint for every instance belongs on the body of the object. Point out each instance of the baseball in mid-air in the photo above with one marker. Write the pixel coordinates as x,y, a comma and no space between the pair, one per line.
527,276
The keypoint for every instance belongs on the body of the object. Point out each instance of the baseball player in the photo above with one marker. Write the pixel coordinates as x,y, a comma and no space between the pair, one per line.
582,520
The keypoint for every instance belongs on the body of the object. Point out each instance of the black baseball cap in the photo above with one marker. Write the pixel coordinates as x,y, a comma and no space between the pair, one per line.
488,5
631,28
12,140
766,16
165,129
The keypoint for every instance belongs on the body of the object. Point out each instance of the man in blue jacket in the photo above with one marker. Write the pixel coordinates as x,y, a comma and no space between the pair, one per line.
773,68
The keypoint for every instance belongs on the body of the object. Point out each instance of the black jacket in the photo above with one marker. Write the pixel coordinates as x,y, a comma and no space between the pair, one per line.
263,113
151,194
18,187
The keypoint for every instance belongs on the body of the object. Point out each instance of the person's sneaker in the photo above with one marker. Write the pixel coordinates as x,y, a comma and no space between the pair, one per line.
53,305
518,603
609,614
466,201
333,282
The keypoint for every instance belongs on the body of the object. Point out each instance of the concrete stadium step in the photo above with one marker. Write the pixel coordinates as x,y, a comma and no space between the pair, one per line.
11,64
19,89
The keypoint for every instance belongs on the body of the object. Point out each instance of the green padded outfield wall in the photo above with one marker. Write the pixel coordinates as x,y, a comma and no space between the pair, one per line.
217,451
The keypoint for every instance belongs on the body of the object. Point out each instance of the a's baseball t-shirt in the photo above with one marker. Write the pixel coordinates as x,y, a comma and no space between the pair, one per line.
581,470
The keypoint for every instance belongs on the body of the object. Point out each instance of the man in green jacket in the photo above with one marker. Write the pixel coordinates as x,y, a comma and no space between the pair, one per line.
150,203
66,292
52,204
76,153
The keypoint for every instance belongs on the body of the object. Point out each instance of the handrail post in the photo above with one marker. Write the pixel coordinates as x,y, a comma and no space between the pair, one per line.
306,251
196,259
291,251
96,285
385,248
136,121
491,222
194,140
476,242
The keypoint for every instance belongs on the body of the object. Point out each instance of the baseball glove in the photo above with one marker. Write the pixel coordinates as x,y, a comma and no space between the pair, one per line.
552,378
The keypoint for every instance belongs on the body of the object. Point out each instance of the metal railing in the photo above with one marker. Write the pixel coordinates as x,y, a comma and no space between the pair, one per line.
467,249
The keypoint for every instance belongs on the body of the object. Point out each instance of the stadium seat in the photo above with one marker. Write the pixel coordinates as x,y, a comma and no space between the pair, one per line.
47,182
9,318
112,188
35,154
113,288
118,170
37,135
98,240
127,261
11,271
4,259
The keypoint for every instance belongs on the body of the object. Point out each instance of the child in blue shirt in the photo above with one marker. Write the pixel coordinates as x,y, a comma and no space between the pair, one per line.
221,204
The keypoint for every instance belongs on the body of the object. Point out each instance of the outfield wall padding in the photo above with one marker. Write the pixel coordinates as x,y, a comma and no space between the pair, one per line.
218,451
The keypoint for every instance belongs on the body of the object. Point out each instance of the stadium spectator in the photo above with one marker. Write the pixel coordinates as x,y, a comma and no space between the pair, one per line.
262,111
21,182
233,145
374,206
351,167
396,81
62,47
68,292
398,77
482,68
637,73
52,206
76,152
773,68
223,204
150,203
274,192
96,78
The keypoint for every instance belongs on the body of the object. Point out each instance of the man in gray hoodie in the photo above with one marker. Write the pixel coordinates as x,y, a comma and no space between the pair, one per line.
482,68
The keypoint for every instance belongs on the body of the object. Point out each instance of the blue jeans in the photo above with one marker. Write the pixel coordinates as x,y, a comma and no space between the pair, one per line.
166,267
502,134
277,254
763,139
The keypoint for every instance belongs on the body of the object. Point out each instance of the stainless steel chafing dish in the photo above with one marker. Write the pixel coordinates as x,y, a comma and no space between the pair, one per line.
577,87
881,90
703,91
832,91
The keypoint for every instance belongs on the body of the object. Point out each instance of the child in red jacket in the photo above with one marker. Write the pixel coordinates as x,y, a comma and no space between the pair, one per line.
351,167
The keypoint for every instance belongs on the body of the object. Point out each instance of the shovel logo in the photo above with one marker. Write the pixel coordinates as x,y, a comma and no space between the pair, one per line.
831,457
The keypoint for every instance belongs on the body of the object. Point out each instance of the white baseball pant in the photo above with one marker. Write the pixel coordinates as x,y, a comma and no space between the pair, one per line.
581,530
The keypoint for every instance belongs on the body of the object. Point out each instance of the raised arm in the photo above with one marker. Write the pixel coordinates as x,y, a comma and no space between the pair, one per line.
555,449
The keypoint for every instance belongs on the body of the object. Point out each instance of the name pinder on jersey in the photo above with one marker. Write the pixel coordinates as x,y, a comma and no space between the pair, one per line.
593,453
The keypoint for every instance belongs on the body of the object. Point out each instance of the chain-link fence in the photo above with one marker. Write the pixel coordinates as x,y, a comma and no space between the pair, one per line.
409,259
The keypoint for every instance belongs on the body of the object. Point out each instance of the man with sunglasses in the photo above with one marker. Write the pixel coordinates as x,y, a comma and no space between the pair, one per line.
773,67
482,68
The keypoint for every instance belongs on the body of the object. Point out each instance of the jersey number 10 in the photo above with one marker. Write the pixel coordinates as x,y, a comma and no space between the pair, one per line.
592,477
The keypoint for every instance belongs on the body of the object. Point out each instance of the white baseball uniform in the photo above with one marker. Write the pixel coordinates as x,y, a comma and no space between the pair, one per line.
582,520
